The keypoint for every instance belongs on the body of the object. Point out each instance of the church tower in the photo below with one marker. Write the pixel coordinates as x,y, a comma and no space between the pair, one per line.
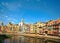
22,22
21,26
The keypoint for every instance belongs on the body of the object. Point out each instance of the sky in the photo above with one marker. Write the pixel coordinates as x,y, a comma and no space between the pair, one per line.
30,10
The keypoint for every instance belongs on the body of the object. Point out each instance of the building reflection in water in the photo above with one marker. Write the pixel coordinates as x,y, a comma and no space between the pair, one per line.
22,39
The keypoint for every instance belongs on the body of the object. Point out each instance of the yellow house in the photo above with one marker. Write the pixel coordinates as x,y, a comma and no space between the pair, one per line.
9,27
15,28
27,28
12,28
2,28
39,26
33,28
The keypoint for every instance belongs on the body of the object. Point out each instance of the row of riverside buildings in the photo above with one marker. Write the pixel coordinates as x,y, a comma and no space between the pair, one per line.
51,27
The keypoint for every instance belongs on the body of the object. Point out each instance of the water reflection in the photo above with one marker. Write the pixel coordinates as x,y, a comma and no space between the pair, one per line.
21,39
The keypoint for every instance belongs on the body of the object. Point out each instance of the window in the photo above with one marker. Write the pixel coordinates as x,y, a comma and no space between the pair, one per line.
59,27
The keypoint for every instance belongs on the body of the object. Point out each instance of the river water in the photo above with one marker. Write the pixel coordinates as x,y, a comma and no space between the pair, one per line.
22,39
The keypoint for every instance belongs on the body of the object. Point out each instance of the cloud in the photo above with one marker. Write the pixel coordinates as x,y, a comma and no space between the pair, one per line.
19,5
6,4
11,19
10,6
6,16
3,3
3,7
8,19
13,6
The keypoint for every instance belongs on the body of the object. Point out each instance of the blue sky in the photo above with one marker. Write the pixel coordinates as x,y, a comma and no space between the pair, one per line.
31,10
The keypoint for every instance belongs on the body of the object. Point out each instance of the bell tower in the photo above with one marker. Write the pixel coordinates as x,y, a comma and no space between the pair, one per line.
21,26
22,22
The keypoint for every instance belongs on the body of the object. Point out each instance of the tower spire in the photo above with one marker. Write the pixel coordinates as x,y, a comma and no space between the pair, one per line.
22,20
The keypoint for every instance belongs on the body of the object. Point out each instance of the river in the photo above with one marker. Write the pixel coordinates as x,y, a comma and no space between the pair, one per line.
22,39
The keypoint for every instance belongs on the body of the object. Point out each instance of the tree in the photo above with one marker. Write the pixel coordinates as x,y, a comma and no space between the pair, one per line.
2,24
49,20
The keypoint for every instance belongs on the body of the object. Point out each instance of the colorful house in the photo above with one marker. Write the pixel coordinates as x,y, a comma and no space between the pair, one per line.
39,26
54,26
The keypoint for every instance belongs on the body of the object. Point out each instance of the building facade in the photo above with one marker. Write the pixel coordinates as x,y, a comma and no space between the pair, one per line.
54,26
